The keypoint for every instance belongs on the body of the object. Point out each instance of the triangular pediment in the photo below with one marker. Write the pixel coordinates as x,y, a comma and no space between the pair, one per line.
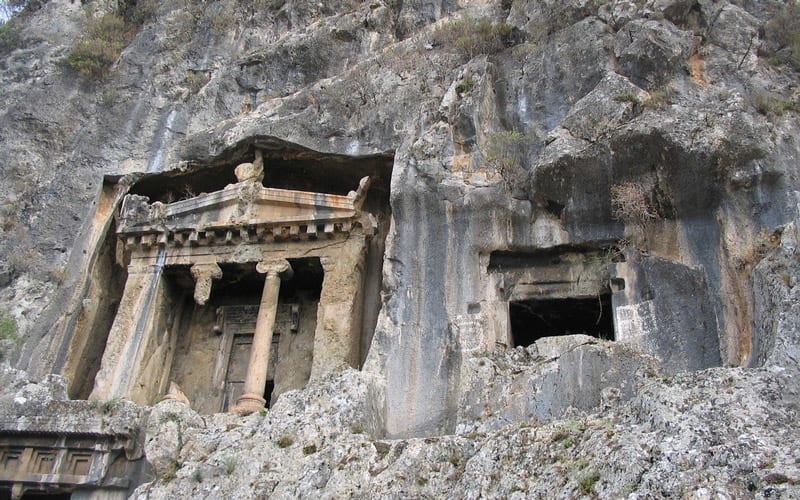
242,206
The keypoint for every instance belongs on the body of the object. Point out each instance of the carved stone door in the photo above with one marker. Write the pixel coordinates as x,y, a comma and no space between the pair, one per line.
238,324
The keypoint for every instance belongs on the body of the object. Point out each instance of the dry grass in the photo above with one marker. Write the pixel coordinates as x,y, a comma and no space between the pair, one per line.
631,204
474,37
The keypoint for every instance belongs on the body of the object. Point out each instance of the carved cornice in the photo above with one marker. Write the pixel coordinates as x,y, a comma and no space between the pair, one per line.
242,213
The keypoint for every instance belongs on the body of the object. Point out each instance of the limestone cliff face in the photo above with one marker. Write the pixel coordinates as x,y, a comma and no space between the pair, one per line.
519,136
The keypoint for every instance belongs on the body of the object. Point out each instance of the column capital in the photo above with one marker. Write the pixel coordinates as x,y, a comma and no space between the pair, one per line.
203,275
276,267
212,270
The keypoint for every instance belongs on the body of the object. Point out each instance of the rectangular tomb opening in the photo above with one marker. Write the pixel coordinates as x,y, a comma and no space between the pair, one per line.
552,292
533,319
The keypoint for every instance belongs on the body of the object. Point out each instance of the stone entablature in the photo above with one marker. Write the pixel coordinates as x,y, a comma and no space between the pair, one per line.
65,461
242,213
68,446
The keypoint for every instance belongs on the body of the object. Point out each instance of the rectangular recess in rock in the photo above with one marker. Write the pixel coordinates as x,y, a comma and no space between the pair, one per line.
291,355
537,318
552,292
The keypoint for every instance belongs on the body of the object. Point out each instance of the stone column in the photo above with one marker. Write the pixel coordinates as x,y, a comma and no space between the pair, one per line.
256,380
203,275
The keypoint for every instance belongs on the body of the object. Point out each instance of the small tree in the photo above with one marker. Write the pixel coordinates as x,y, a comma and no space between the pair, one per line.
508,151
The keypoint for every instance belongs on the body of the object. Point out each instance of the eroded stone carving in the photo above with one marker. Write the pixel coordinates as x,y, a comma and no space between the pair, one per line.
251,171
203,275
243,213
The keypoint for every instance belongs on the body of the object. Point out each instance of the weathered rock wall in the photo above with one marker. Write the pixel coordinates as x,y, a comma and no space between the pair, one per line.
669,95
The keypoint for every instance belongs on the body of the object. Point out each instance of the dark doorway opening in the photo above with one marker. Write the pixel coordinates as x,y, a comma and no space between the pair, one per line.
536,318
268,392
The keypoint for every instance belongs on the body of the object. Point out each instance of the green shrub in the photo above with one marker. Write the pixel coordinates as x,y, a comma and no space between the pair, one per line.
8,328
587,482
10,37
771,104
783,37
230,464
140,12
789,106
628,97
473,37
109,404
95,53
171,472
285,442
8,332
507,152
221,20
465,85
506,149
196,80
659,98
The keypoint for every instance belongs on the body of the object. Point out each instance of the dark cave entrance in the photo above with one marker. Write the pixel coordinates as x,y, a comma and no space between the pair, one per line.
533,319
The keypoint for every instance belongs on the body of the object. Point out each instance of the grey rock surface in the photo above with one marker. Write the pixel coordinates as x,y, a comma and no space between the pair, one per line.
710,433
776,304
671,94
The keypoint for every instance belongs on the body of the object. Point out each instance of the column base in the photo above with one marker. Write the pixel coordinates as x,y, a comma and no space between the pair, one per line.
248,403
